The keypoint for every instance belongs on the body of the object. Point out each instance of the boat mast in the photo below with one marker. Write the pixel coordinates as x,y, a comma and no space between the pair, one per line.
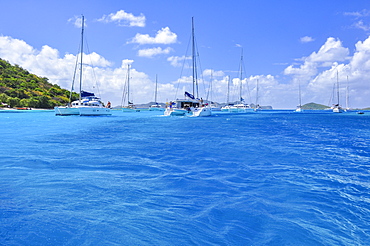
195,76
82,47
241,75
155,94
347,95
257,94
228,91
337,88
299,88
128,85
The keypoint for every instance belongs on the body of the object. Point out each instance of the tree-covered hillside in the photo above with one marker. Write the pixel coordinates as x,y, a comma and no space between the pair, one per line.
19,88
314,106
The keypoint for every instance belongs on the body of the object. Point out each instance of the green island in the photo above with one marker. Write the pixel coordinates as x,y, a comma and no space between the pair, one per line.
314,106
21,89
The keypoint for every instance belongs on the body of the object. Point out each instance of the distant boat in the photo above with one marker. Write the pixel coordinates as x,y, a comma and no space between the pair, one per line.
240,107
299,107
214,106
257,107
191,105
347,109
226,108
337,108
156,106
87,104
130,107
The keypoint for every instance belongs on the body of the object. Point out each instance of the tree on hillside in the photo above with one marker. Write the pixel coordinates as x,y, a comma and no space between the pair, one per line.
19,88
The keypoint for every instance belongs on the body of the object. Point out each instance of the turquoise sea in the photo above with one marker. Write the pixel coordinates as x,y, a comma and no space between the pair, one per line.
270,178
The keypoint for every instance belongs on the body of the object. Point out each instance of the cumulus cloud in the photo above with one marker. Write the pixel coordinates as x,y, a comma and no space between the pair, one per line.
153,52
319,73
316,73
306,39
332,51
163,36
100,77
125,19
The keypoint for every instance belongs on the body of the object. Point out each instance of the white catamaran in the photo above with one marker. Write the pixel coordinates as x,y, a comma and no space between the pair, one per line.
87,104
337,108
241,106
191,105
299,107
156,106
130,107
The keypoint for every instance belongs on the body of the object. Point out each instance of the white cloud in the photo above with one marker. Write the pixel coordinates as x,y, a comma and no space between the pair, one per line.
178,61
127,19
154,51
77,21
102,79
213,73
163,36
357,14
307,39
332,51
316,74
360,25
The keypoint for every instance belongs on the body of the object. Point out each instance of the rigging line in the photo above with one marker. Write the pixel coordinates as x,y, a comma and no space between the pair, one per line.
209,92
92,67
182,68
247,81
124,92
74,75
332,96
200,66
228,90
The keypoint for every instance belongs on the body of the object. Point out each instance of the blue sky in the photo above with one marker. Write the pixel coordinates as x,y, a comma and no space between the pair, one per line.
285,43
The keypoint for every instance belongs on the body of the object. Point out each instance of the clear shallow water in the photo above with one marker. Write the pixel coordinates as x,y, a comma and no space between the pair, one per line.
274,178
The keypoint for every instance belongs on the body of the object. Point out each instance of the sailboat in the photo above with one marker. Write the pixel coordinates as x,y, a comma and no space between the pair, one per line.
88,104
130,105
191,105
299,107
347,97
241,107
156,106
257,106
337,108
228,104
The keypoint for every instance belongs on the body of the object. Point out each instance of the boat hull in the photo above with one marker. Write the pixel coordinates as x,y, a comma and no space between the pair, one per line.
202,112
65,111
130,110
94,111
156,109
338,110
175,112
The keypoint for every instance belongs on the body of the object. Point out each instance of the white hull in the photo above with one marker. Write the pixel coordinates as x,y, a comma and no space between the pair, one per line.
202,112
338,110
129,110
65,111
299,109
94,111
175,112
236,109
156,108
